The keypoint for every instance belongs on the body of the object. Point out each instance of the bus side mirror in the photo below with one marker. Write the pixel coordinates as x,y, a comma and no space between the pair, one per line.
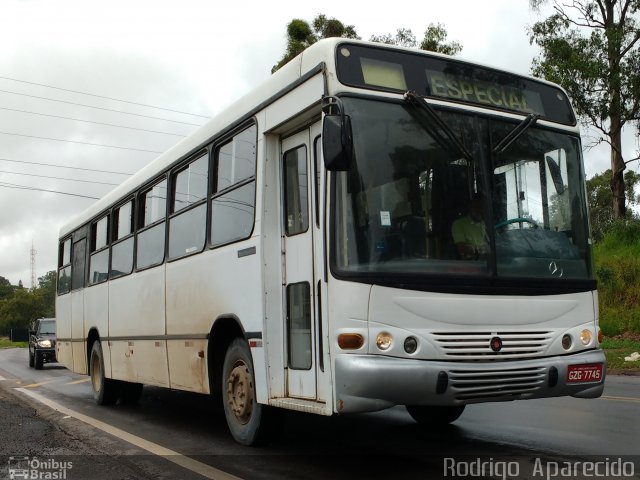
337,143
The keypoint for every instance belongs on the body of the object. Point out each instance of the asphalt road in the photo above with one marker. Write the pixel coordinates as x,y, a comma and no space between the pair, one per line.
174,434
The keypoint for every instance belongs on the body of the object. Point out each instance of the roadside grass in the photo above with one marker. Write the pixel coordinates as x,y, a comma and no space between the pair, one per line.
6,343
615,349
617,269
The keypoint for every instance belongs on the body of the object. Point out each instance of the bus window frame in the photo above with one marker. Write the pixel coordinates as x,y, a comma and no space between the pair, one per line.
172,213
116,241
61,265
213,179
93,251
285,191
140,194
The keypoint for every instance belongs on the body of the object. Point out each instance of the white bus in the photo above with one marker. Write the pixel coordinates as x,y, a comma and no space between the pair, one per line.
372,226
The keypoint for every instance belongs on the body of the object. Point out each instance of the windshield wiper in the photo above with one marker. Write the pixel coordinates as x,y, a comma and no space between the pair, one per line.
453,141
516,133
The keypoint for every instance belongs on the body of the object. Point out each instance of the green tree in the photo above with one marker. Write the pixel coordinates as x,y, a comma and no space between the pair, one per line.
20,310
6,289
301,34
47,292
404,37
20,306
599,197
435,39
592,49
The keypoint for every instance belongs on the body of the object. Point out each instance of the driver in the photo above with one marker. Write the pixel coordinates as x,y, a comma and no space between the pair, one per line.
469,233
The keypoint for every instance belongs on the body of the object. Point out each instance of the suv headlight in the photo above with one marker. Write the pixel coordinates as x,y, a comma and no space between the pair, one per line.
44,343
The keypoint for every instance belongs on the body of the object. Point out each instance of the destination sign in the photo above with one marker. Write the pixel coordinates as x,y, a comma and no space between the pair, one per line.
376,68
458,87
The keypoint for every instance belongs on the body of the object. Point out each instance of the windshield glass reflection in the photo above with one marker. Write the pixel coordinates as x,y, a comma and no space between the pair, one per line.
413,204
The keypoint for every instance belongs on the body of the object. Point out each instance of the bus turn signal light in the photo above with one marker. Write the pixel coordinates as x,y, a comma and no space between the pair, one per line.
350,341
600,335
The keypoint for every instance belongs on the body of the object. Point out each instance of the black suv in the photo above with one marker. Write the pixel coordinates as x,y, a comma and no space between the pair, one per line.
42,342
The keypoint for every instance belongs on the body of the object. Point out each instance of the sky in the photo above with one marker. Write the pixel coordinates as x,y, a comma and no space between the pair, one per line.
193,56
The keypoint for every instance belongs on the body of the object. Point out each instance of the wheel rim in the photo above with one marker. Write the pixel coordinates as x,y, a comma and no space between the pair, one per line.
240,392
96,373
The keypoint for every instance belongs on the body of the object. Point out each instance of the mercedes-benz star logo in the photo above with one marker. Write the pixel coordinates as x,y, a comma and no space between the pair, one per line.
555,270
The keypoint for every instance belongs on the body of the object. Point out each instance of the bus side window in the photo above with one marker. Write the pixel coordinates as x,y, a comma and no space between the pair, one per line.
99,262
64,267
296,218
78,263
150,247
122,249
187,228
233,202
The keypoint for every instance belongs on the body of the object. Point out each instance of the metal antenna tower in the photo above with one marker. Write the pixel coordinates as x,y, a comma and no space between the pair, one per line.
33,266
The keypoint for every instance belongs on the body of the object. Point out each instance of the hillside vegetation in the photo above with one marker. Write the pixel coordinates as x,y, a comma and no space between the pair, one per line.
617,268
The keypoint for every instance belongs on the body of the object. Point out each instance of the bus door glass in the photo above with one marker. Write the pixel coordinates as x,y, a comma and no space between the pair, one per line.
299,298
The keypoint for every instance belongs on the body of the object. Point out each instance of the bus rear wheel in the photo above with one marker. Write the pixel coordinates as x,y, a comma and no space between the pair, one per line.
105,390
435,415
249,422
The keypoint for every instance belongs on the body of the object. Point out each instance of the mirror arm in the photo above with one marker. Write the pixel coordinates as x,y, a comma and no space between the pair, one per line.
328,104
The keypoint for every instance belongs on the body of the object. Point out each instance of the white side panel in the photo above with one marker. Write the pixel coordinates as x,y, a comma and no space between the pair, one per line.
188,365
78,332
96,310
136,305
64,352
204,287
136,308
140,361
298,100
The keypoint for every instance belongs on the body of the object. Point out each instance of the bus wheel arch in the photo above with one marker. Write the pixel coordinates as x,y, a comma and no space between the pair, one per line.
232,381
92,337
224,330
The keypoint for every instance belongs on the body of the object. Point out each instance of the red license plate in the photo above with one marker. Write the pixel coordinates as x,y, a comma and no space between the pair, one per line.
591,372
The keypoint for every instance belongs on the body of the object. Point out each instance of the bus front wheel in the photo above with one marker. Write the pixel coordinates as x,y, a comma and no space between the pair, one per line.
105,390
249,422
435,415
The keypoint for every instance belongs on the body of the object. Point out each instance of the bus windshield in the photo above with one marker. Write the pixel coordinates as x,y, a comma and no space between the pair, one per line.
412,203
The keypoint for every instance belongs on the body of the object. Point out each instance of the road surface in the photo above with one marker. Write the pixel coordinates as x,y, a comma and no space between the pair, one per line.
174,434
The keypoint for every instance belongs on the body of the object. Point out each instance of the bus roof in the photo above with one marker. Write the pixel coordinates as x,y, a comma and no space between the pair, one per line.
318,54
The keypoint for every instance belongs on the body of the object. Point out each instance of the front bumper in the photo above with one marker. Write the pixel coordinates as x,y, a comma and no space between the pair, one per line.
47,354
366,383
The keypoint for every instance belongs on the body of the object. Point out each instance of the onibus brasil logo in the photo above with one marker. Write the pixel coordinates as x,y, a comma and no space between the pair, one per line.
33,468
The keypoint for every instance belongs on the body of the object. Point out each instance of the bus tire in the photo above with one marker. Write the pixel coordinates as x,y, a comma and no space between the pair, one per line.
105,390
38,362
435,415
249,422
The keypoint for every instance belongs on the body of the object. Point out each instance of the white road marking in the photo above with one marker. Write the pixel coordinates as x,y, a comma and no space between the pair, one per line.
2,378
198,467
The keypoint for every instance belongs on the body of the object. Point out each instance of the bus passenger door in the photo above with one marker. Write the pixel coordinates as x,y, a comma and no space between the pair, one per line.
297,240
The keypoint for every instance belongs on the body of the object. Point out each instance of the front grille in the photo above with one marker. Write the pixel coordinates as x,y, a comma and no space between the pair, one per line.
505,384
474,346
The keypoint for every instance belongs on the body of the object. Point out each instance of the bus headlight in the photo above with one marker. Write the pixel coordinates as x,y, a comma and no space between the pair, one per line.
585,337
44,343
384,340
567,341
